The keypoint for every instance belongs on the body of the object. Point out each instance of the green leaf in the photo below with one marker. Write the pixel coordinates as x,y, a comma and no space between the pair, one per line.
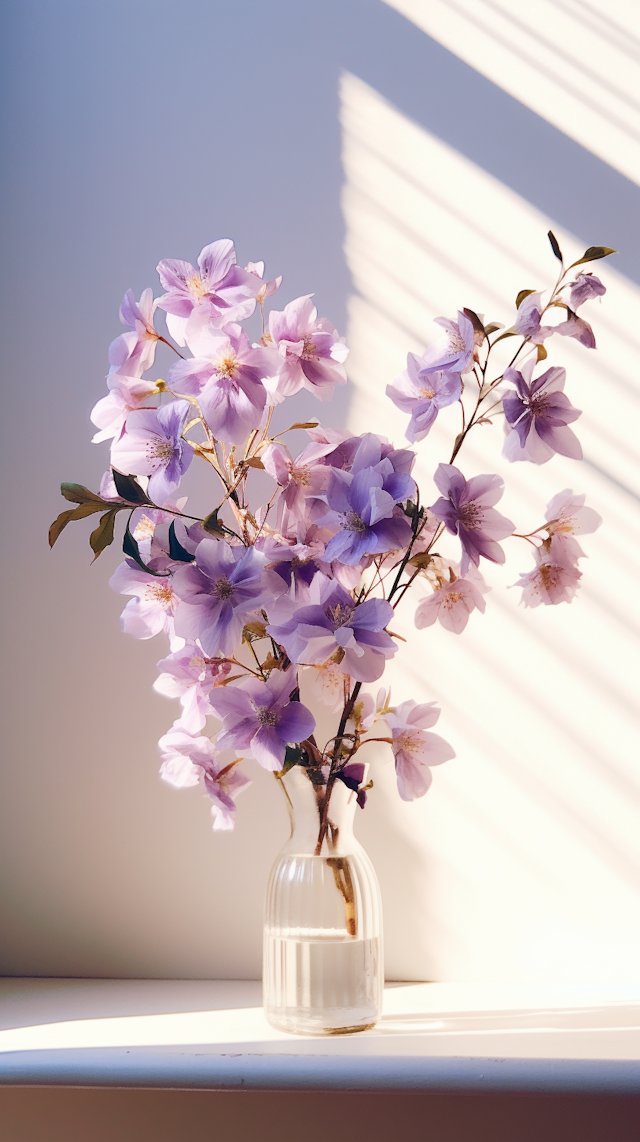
176,550
554,246
475,320
253,462
493,327
58,525
129,489
521,296
211,525
542,353
302,424
593,254
292,756
79,495
103,535
130,548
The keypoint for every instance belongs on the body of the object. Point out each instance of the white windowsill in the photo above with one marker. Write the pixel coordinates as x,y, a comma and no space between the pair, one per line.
439,1036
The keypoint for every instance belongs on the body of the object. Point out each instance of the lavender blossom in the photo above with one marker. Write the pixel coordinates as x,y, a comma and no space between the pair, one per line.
259,716
219,592
585,287
422,394
538,413
414,749
452,352
191,760
333,623
226,377
466,509
152,445
312,353
366,515
528,318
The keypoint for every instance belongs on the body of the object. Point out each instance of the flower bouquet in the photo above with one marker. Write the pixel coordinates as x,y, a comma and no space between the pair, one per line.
290,579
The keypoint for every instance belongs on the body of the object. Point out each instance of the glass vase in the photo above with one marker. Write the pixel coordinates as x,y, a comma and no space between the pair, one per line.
323,962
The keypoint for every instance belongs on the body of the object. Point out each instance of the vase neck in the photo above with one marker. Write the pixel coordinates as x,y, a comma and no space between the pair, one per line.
306,804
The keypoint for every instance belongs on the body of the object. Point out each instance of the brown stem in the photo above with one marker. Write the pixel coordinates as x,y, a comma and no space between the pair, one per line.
324,814
344,884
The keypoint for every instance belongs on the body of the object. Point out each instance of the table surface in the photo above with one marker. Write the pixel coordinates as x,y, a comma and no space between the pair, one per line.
213,1034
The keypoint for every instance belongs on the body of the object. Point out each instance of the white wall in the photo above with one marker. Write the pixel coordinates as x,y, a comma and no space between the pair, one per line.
140,130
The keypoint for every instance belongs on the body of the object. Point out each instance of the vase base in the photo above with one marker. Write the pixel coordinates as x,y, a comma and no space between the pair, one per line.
309,1027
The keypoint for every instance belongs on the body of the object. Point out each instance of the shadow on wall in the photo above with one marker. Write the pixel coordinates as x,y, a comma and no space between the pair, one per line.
527,846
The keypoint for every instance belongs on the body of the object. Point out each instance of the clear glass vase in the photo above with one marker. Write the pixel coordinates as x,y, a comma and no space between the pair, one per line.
323,963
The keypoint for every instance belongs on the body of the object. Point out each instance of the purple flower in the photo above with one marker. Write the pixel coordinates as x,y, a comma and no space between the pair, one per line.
353,776
133,353
152,445
414,749
219,592
226,376
259,716
453,352
579,329
528,317
312,353
422,394
154,607
190,760
466,508
452,602
585,287
365,514
393,464
554,579
332,622
539,412
223,289
189,675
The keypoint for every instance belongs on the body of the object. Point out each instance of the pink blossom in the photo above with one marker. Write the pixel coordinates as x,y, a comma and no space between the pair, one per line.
329,684
568,516
554,579
189,675
223,290
153,608
302,484
125,394
416,750
191,760
312,353
133,353
268,288
452,602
